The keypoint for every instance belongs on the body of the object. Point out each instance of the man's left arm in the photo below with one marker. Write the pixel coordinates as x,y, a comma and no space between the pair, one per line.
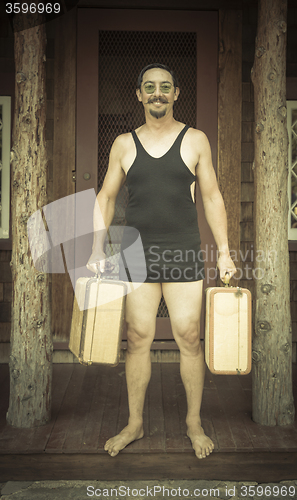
214,207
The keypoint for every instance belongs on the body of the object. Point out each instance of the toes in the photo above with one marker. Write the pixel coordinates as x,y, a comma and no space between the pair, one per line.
113,453
204,452
110,448
199,453
208,450
107,445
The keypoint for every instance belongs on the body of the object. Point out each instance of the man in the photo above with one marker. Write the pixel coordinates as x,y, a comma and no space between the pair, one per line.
161,161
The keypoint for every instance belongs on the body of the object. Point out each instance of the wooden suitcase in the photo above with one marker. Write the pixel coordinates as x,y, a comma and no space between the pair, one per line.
228,332
97,320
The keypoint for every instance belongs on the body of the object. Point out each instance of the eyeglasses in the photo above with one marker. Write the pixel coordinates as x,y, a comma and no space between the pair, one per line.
164,87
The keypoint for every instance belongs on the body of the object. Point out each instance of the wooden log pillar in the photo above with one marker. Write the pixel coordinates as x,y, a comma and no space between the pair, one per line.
31,343
229,124
272,344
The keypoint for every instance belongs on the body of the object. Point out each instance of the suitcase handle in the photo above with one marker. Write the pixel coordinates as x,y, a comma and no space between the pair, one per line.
98,272
227,279
108,268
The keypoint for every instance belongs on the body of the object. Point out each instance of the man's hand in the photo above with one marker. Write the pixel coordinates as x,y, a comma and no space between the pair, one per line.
226,265
97,259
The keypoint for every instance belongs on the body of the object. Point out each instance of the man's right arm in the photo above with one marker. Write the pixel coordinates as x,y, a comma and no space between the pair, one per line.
105,204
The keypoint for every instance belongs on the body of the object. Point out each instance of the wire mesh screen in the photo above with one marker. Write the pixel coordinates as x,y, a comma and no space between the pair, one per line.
122,55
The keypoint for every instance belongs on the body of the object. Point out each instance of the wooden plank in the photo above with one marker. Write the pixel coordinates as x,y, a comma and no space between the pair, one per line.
96,411
207,412
219,417
229,122
224,437
34,440
61,377
232,382
156,414
142,445
123,408
13,440
234,414
246,381
281,438
182,410
259,467
166,4
94,420
255,432
173,433
60,430
111,408
77,421
207,409
208,380
220,381
64,156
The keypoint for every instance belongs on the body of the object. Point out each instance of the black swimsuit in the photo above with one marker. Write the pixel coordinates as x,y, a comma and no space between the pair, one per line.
161,208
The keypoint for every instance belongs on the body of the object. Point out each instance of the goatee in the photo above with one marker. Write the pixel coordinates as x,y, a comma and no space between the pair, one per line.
158,114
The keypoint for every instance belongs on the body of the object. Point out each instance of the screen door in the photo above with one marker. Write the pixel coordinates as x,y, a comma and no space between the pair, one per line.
122,55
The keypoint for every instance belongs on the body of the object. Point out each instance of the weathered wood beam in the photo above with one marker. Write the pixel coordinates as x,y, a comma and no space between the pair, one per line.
64,160
163,4
272,344
256,466
229,123
31,343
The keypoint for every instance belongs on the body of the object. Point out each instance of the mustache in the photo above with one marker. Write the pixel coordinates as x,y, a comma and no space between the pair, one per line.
151,100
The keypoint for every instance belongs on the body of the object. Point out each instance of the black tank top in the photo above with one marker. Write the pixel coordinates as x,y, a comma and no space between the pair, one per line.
160,199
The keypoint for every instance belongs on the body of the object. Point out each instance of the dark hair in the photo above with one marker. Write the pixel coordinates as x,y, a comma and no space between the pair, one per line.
157,65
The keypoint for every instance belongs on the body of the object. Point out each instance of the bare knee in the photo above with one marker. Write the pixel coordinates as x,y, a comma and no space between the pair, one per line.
187,336
140,337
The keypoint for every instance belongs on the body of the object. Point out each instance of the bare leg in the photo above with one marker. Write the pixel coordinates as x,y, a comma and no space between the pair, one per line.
141,310
184,306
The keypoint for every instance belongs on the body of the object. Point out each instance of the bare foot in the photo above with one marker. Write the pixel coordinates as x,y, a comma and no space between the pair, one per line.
202,444
125,437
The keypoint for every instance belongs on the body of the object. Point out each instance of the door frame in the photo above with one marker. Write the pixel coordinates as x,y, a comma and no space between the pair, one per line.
205,24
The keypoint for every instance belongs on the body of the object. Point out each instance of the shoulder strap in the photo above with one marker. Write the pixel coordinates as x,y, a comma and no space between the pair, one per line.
182,133
136,140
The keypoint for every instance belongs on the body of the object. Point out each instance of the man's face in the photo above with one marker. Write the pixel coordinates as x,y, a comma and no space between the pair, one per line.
157,92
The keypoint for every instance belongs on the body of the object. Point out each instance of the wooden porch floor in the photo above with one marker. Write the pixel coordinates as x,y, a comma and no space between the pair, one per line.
90,405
